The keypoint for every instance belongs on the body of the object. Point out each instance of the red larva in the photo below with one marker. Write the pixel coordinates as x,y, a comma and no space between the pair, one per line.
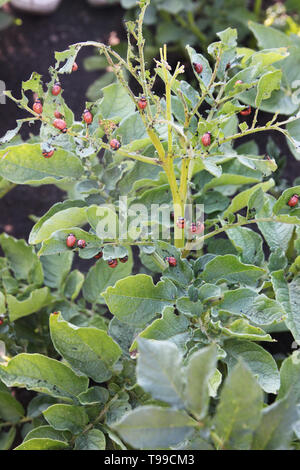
48,154
61,125
142,103
37,106
99,255
57,114
198,67
87,116
246,111
1,320
75,67
71,240
56,89
197,228
172,261
133,354
180,222
112,263
124,259
115,144
206,139
81,244
293,201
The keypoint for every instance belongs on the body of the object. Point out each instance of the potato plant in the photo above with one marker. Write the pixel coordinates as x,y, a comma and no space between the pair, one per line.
161,344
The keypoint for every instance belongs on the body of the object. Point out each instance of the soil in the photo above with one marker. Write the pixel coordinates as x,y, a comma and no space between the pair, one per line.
30,47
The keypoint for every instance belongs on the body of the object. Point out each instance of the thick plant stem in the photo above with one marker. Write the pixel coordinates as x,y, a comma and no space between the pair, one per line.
179,238
178,203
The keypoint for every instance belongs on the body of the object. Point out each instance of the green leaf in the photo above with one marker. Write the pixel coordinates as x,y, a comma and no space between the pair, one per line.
56,268
281,203
66,418
104,221
206,73
256,200
91,440
182,273
288,294
258,360
101,276
7,438
132,131
152,427
229,268
88,350
269,82
69,55
42,444
34,84
170,327
248,243
122,333
24,164
22,258
94,396
10,409
2,303
241,329
277,260
62,215
258,308
269,56
116,102
37,299
136,300
57,243
276,234
290,377
276,427
268,37
200,370
265,166
73,285
45,432
159,371
242,199
239,410
38,404
232,180
214,383
293,129
42,374
94,91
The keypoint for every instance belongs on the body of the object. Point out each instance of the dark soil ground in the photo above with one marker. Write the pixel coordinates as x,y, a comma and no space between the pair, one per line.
31,47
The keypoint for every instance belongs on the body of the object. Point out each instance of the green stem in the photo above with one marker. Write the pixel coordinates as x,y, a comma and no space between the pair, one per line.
97,420
194,28
206,92
237,224
257,8
10,424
